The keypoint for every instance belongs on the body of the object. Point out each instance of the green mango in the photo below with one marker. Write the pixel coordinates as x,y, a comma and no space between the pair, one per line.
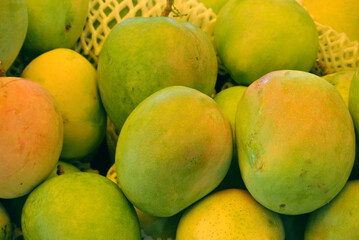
143,55
338,219
6,230
255,37
79,206
13,28
54,24
174,148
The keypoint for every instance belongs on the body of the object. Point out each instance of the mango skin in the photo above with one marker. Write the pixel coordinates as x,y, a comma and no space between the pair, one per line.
227,101
255,37
180,143
143,55
71,79
6,227
13,28
54,24
341,81
215,5
31,135
337,220
342,16
353,105
79,206
230,214
292,129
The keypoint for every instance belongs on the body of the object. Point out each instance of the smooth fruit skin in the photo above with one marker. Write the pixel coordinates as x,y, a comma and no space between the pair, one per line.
54,24
292,129
337,220
342,16
255,37
79,206
71,79
227,101
143,55
6,226
341,81
215,5
13,28
31,135
174,148
353,105
156,227
229,214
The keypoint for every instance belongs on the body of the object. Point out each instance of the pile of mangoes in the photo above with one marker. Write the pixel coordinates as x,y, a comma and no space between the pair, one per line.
271,157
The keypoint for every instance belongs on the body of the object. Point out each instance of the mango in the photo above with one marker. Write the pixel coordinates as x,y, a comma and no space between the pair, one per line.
155,227
143,55
79,206
342,16
338,219
31,135
255,37
174,148
353,104
6,227
71,79
13,28
292,129
14,205
230,214
341,81
215,5
54,24
227,101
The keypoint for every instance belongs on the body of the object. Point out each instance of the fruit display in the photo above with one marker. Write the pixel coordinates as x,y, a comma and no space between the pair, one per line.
179,119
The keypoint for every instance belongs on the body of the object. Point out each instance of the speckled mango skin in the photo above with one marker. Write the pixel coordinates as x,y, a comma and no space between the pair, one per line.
31,135
230,214
338,219
295,141
143,55
6,227
174,148
79,206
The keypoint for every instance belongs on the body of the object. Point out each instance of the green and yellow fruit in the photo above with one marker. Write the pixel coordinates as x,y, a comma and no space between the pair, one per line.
292,129
255,37
341,81
342,16
6,227
71,79
338,219
13,28
54,24
143,55
230,214
31,135
174,148
79,206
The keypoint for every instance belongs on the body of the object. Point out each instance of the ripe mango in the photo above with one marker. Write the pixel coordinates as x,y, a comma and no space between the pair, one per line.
31,135
295,140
